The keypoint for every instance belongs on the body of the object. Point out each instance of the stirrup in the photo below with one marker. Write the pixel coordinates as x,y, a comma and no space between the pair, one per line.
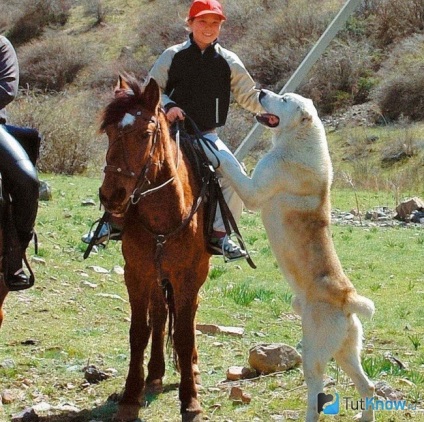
21,284
221,248
102,234
227,255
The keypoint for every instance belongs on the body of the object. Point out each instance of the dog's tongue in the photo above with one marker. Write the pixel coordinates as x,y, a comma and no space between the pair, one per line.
268,119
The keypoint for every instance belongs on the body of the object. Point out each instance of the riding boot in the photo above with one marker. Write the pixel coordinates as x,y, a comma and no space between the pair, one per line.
16,278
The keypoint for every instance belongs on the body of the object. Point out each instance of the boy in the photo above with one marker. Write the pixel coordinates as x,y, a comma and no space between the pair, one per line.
197,78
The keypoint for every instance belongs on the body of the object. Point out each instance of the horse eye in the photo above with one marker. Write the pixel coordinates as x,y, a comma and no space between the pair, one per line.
146,135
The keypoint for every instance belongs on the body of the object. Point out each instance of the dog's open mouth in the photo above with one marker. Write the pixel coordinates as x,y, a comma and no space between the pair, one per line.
268,119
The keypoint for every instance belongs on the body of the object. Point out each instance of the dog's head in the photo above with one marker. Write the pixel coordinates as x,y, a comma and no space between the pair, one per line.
285,112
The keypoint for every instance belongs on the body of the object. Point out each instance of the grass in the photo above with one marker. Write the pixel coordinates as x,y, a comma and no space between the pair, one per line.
76,315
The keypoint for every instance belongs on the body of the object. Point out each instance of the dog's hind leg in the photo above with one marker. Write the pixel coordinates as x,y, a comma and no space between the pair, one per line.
348,357
324,329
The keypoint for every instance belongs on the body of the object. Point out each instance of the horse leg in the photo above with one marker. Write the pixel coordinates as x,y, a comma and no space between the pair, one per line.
131,401
184,343
157,320
3,293
196,370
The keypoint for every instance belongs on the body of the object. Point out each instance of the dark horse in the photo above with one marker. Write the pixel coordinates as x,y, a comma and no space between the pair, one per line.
151,183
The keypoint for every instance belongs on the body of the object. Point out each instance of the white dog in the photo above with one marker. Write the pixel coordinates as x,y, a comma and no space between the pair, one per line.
291,187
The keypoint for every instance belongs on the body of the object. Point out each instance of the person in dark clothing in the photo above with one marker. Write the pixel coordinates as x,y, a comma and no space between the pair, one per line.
18,173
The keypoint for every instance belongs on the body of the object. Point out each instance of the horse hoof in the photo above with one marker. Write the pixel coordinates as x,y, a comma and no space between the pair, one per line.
154,387
192,417
126,413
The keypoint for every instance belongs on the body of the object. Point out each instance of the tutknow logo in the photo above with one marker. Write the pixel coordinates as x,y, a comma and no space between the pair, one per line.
331,409
330,405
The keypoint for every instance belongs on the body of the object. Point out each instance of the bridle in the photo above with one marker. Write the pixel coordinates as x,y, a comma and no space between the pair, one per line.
142,180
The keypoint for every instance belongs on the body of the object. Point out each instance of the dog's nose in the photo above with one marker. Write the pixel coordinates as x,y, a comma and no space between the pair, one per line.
262,94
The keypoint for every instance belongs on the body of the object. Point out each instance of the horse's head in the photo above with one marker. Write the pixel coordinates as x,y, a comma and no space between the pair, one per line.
132,122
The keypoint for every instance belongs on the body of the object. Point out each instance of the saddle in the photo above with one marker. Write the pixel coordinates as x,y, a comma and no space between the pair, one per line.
210,194
30,141
192,146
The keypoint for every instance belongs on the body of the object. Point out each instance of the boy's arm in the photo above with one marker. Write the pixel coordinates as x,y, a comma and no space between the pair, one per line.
159,72
243,87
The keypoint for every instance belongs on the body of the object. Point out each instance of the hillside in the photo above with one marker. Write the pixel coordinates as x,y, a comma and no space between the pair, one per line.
71,52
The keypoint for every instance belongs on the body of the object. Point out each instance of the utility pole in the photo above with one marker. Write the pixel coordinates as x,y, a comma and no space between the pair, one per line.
338,23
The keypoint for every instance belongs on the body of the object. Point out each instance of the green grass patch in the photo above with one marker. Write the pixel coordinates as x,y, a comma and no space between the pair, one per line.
76,316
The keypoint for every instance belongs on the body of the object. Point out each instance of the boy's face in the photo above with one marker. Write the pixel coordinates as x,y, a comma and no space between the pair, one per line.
206,29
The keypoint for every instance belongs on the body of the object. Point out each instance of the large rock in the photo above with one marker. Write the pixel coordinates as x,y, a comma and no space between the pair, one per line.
268,358
405,208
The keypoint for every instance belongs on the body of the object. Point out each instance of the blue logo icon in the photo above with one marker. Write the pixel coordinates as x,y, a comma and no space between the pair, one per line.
331,409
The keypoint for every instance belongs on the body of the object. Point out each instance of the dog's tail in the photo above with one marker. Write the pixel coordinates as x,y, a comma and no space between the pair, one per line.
358,304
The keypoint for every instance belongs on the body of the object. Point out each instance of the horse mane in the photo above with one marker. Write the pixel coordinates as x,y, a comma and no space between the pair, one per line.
115,111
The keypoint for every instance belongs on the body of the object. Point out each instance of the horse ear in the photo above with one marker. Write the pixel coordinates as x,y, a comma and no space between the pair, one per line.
151,94
122,88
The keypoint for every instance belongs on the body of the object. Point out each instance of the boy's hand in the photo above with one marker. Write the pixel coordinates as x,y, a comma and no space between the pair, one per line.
175,113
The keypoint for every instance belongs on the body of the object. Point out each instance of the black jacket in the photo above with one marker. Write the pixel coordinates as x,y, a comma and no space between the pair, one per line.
201,82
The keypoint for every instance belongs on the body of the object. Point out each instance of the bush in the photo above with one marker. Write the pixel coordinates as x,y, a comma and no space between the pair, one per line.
35,17
276,43
70,144
349,64
390,21
51,64
401,92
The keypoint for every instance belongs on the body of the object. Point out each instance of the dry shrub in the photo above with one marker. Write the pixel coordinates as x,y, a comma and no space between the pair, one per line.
68,126
350,65
34,16
158,31
277,42
52,63
104,75
401,92
390,21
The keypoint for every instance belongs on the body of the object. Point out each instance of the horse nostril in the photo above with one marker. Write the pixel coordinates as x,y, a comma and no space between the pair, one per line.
262,94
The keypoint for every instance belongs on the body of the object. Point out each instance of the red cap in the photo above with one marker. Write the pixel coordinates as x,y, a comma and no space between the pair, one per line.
203,7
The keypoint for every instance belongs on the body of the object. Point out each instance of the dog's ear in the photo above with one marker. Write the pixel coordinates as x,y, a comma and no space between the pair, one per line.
306,116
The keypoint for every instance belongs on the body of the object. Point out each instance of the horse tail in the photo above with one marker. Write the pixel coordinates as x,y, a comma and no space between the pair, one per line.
168,293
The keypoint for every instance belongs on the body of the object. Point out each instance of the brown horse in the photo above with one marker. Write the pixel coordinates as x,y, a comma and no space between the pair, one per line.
151,183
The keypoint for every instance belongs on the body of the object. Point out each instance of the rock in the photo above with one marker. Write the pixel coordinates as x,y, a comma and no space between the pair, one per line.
117,269
88,202
405,208
268,358
384,390
215,329
27,415
238,395
94,375
111,296
99,270
7,397
8,364
235,373
86,283
44,191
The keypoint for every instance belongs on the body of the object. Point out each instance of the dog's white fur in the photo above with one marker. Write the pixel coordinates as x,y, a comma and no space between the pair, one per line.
291,187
